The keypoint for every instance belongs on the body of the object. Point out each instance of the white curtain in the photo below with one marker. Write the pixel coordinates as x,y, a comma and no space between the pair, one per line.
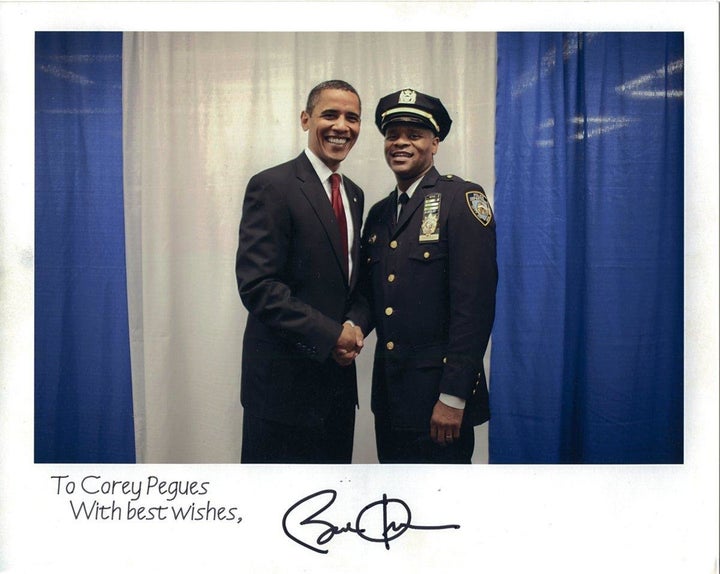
203,112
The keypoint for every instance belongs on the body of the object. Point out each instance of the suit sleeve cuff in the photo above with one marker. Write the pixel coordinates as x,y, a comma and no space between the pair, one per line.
452,401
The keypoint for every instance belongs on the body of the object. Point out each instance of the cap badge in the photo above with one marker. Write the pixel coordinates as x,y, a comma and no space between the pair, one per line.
479,206
407,97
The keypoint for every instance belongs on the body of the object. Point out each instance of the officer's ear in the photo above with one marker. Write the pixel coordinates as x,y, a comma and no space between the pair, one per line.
435,144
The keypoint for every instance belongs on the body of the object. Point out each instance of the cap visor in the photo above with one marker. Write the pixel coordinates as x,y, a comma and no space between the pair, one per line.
407,119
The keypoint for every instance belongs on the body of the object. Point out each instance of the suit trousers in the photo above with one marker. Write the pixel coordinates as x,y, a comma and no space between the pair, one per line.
265,441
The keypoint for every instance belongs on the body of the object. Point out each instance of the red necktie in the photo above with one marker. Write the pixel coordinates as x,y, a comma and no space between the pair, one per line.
337,205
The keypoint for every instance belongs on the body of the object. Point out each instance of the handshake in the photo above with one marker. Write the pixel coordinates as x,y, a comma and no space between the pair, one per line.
348,345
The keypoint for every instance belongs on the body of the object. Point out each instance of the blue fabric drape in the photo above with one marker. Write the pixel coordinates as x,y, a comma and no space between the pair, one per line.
83,397
587,358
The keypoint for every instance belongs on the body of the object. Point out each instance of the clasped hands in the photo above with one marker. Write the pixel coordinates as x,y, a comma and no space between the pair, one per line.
348,345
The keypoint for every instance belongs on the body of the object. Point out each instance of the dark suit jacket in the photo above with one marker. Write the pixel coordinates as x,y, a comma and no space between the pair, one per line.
293,280
433,301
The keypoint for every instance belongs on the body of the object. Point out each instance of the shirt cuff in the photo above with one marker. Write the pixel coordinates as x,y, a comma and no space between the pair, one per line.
452,401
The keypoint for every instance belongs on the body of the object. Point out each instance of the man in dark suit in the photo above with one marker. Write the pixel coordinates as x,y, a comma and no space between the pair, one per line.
296,268
429,274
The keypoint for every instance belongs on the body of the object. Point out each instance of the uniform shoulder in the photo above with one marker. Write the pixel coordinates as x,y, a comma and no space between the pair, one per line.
382,202
451,178
468,197
377,208
457,182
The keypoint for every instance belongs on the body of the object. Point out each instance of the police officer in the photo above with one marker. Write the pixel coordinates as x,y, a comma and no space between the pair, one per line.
430,274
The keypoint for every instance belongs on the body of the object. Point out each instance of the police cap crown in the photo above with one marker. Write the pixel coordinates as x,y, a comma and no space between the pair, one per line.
409,106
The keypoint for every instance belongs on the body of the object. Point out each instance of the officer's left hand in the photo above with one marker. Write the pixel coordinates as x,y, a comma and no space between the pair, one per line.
445,423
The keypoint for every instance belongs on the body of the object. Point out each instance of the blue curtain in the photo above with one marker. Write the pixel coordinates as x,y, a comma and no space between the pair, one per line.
83,398
587,357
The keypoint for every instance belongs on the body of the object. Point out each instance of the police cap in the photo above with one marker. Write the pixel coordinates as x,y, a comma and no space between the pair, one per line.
410,106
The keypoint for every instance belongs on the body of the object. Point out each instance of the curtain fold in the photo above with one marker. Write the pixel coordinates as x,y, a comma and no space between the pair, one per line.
588,342
83,394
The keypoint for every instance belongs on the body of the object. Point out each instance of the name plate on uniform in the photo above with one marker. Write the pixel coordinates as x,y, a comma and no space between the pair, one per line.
430,226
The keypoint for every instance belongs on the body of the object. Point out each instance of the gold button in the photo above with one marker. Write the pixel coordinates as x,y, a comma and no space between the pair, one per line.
393,244
389,311
391,277
444,360
369,259
390,345
426,255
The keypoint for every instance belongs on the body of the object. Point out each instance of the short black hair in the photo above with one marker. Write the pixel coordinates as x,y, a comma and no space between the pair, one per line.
314,95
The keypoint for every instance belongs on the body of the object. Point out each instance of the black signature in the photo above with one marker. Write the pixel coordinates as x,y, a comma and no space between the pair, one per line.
384,532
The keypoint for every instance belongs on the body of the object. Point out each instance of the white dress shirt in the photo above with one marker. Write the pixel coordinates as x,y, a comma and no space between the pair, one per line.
324,173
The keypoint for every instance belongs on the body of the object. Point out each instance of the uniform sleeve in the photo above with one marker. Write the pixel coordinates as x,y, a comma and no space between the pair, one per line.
263,247
472,280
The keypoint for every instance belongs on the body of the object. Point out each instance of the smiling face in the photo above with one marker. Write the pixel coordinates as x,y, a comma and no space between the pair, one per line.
409,152
333,126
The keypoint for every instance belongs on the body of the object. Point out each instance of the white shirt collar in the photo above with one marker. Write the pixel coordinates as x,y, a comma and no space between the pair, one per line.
323,171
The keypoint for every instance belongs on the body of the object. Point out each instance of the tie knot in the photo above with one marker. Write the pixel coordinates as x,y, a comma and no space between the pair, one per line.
335,181
403,198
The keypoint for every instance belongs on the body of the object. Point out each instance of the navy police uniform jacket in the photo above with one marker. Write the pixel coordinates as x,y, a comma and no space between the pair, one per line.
430,280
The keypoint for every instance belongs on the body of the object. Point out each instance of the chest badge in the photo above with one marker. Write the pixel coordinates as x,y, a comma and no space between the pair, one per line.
430,226
479,206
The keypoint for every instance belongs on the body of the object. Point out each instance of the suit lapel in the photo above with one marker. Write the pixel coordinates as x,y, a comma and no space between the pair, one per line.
317,197
355,211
